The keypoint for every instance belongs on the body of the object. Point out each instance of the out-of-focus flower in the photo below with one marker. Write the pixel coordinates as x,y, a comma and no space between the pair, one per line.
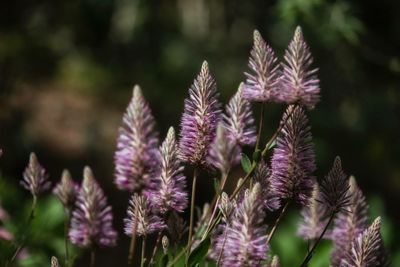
137,145
165,244
293,159
199,120
169,186
275,262
54,262
66,191
262,84
299,83
91,222
262,175
239,121
35,178
141,218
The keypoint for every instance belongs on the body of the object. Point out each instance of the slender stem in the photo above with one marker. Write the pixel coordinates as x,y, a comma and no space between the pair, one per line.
151,262
310,253
277,221
66,227
191,214
133,240
142,257
92,256
222,248
260,126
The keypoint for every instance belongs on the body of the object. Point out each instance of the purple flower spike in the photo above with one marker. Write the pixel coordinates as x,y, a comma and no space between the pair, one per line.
367,249
246,240
224,153
199,120
91,222
137,145
263,175
141,217
293,159
35,178
169,193
298,82
262,84
66,191
239,121
349,224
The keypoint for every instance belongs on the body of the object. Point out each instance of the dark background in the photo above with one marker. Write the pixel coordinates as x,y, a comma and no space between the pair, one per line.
67,69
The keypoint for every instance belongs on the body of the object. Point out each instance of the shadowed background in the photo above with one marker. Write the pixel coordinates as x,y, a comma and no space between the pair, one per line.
67,69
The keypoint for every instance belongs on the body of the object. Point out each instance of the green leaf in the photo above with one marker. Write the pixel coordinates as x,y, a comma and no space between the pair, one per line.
273,143
257,155
246,163
199,253
216,185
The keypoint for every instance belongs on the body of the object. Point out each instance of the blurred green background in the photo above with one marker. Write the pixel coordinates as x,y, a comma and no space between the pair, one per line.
67,69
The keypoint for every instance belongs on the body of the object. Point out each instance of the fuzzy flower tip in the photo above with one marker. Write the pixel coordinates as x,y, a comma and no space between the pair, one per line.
137,143
91,222
263,81
224,153
66,190
367,249
141,217
169,186
246,238
199,119
263,175
239,121
349,224
314,217
35,178
293,159
299,83
334,188
54,262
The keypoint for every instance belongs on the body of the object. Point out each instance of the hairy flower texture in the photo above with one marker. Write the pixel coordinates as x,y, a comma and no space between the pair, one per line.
91,222
141,217
367,248
263,175
334,188
262,84
246,238
169,193
35,178
224,153
137,145
298,82
293,159
314,217
349,224
239,121
199,120
66,191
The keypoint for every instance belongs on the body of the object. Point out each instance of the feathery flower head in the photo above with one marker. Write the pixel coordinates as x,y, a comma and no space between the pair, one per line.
239,121
169,185
246,238
66,190
226,206
293,159
54,262
224,153
262,84
35,178
91,222
299,83
334,188
367,249
199,120
141,218
262,175
137,144
349,224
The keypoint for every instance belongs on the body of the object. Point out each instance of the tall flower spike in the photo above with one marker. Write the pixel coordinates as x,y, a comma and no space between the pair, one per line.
246,238
141,217
293,159
169,193
239,121
66,191
199,119
314,217
298,82
334,188
349,224
224,153
263,81
35,178
91,222
367,249
137,144
262,175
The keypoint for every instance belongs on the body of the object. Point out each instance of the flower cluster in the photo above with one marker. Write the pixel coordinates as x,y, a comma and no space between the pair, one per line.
35,178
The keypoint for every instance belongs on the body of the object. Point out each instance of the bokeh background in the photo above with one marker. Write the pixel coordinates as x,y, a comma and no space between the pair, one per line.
67,69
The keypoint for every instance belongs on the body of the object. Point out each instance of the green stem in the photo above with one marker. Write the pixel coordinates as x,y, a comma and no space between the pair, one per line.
151,262
92,256
260,126
192,202
66,227
133,240
142,257
222,248
277,221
